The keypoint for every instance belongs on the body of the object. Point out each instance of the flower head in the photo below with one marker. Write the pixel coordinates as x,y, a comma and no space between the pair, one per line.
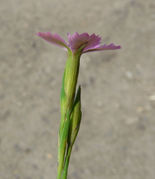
83,42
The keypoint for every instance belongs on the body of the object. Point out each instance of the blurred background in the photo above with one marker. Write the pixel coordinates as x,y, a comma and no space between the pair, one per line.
116,139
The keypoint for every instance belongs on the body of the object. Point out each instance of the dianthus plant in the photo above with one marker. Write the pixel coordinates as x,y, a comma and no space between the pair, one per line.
70,98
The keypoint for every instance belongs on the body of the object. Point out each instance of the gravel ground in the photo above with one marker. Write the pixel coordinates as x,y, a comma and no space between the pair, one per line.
116,139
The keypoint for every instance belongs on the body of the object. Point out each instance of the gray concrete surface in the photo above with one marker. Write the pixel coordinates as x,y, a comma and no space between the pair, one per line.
116,139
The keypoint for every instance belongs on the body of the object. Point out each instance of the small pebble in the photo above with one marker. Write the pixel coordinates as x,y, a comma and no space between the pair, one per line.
129,75
152,98
49,156
140,109
130,121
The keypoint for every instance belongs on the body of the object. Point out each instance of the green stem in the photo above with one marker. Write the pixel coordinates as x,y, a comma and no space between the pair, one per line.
63,136
65,171
60,166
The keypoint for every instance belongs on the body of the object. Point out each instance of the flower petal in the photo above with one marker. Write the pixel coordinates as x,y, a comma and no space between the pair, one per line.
94,40
53,38
77,40
103,47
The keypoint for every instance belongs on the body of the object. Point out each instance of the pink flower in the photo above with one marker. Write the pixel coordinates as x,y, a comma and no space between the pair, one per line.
84,42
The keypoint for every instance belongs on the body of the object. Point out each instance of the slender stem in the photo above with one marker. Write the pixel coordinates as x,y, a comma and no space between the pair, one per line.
62,148
60,166
66,165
